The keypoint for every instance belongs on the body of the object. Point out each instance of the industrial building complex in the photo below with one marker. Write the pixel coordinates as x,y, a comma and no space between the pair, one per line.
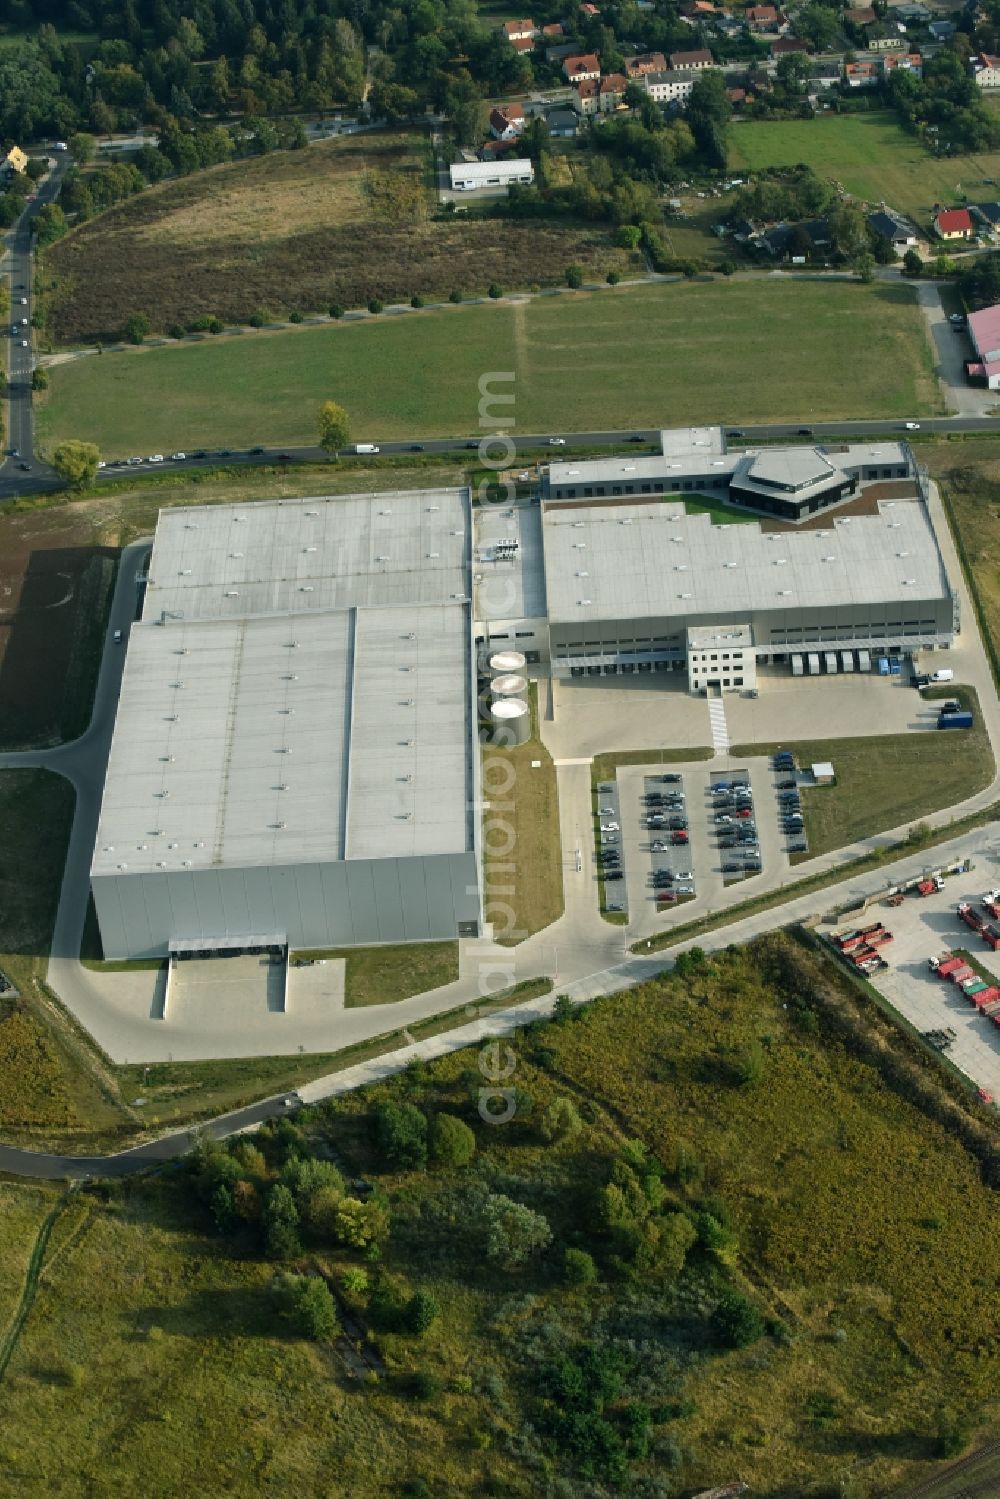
296,756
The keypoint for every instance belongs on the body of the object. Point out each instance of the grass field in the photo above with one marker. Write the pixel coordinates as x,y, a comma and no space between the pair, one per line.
888,780
870,156
969,476
522,849
842,1229
385,975
829,350
343,221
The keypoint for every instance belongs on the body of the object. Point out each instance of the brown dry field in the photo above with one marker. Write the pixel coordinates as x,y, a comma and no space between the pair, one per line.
343,222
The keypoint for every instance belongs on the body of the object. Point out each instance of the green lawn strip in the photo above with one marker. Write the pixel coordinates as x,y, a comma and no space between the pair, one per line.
886,780
871,156
178,1093
10,1341
927,838
968,497
385,975
419,375
522,851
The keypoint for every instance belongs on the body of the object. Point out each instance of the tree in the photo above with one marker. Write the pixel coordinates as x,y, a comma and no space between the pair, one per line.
50,224
708,114
451,1141
613,278
560,1121
574,276
401,1134
375,305
912,263
579,1268
511,1231
864,265
280,1223
737,1321
361,1224
848,230
306,1303
76,462
39,378
817,24
334,427
137,325
82,148
420,1312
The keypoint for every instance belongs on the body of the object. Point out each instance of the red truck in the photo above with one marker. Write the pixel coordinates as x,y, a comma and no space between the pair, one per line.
970,916
986,997
930,887
945,965
990,934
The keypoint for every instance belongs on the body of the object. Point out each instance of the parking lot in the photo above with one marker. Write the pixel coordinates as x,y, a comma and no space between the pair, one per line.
923,928
610,853
735,825
664,815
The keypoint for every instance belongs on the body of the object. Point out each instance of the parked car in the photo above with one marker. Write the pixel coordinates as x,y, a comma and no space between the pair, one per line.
557,442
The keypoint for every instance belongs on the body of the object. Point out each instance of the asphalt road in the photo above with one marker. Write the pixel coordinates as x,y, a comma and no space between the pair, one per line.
13,479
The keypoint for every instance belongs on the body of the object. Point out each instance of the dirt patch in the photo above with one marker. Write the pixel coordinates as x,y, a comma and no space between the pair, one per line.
55,590
296,232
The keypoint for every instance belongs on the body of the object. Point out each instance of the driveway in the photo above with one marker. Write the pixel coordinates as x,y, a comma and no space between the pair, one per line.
951,349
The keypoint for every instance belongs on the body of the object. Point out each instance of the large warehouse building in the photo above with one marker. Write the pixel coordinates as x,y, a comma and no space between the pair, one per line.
294,761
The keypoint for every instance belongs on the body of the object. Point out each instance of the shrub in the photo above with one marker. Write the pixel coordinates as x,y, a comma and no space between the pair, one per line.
255,320
953,1433
305,1302
451,1141
417,301
563,1008
137,325
560,1121
822,1410
400,1131
613,278
336,311
354,1282
295,317
455,296
737,1321
420,1312
39,379
375,305
579,1268
425,1385
574,276
495,291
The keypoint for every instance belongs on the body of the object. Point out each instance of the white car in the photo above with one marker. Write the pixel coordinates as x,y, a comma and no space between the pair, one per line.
913,426
24,301
101,463
683,874
610,827
557,442
177,457
156,458
133,461
683,889
60,146
24,343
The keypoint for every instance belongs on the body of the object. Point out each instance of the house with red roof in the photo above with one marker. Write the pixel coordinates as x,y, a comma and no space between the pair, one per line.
786,44
954,223
587,96
506,122
863,74
520,31
643,63
581,67
553,31
611,92
590,10
761,17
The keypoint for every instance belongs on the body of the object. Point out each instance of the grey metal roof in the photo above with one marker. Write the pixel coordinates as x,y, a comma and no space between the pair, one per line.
327,552
281,740
508,587
796,471
654,560
629,470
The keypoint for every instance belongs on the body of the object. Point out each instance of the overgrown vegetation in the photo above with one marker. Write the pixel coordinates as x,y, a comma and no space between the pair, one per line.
675,1261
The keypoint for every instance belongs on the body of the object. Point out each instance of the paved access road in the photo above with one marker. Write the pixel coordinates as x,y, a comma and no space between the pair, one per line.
14,479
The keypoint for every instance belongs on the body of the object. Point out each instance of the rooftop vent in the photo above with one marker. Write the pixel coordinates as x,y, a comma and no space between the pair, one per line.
236,554
232,593
305,549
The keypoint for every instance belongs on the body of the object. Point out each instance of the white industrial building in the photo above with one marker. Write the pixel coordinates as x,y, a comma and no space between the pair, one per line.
467,175
295,760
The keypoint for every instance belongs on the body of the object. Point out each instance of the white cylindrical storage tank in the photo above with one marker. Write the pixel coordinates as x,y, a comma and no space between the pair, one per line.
510,719
505,663
509,685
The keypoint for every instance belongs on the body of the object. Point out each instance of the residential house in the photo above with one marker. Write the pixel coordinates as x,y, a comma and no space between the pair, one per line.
737,98
902,62
761,17
885,223
786,44
553,31
883,38
698,10
587,96
560,50
942,30
691,62
581,67
506,122
590,11
669,87
988,216
611,92
860,15
496,150
984,330
863,74
986,70
562,123
795,242
644,62
823,76
910,14
954,223
520,31
524,45
467,176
